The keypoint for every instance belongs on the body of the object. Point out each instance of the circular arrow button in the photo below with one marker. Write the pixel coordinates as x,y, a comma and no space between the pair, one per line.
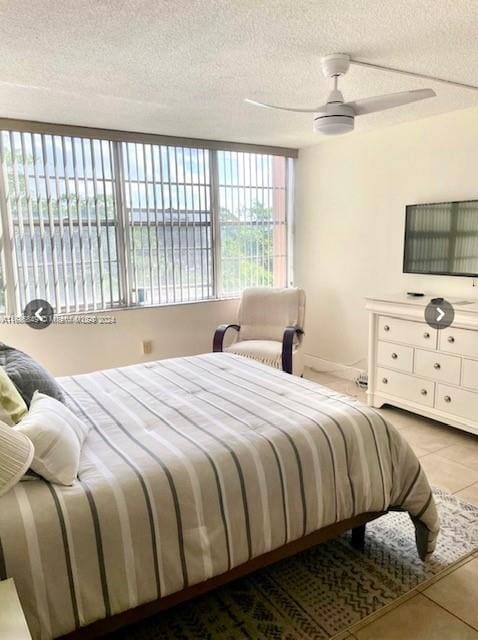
439,313
38,314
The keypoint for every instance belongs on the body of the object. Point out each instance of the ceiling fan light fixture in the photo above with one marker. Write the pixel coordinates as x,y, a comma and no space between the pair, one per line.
334,119
330,125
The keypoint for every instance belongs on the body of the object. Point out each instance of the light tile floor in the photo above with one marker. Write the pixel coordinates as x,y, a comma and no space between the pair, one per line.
448,609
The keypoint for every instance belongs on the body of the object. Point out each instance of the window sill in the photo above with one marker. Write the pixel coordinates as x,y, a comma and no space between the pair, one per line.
137,307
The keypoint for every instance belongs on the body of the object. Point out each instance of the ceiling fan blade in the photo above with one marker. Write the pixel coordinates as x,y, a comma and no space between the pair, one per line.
272,106
389,101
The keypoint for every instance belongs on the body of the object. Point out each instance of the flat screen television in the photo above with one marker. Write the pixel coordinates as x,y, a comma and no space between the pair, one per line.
442,239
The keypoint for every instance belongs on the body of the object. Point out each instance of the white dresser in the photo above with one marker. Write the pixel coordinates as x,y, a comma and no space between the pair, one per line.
415,367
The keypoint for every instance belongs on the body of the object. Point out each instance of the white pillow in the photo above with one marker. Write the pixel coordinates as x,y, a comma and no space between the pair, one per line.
57,436
16,453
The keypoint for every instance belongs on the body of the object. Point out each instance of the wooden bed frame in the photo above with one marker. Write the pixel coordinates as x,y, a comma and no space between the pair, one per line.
100,628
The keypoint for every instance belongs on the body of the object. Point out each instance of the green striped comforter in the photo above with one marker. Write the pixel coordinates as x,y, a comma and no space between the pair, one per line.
193,466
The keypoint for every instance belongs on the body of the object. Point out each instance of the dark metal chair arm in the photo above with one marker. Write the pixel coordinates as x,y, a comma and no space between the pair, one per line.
287,347
219,335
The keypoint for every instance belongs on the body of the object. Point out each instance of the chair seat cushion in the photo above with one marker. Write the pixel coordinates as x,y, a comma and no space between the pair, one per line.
266,351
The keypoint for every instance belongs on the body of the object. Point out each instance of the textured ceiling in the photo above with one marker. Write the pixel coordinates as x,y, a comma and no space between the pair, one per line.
183,67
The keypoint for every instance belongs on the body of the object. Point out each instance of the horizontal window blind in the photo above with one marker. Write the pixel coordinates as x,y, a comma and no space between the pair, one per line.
93,224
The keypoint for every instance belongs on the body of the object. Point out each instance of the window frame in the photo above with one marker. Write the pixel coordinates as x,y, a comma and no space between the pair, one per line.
123,247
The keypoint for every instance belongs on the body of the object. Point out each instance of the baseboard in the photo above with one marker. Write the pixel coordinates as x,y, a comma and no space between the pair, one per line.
334,368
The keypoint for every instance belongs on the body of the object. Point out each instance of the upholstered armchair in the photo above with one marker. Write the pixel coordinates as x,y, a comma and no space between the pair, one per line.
269,328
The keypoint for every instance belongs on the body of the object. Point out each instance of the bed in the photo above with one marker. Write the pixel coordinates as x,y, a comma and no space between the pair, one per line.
197,470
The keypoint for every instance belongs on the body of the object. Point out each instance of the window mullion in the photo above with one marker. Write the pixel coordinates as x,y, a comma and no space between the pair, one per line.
215,228
12,303
122,226
51,223
290,219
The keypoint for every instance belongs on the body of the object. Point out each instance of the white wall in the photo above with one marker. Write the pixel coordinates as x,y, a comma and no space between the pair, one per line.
176,330
350,211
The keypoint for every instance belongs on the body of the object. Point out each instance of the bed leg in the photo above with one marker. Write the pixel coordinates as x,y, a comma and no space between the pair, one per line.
358,537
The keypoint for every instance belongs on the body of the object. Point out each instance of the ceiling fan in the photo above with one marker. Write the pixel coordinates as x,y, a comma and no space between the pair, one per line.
337,116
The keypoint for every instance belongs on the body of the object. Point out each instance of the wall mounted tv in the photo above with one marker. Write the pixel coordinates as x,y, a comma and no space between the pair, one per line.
442,239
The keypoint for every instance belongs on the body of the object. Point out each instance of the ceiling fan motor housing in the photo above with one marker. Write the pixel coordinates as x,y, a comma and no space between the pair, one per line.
336,64
334,119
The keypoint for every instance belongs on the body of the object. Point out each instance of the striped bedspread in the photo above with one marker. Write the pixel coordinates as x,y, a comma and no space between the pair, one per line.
193,466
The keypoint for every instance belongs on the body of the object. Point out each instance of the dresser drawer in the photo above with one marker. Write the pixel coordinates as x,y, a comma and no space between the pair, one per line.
462,341
458,402
469,376
396,356
438,366
405,386
411,333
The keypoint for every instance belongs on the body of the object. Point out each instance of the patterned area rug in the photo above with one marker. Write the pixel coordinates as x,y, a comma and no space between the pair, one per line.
320,592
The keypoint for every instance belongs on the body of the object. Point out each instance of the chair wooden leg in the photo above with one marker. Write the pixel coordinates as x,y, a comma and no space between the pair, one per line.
358,537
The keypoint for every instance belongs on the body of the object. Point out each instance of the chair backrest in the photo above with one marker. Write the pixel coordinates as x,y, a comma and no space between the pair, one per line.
264,313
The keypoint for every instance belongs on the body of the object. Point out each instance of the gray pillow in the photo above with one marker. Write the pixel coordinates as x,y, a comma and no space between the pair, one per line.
28,375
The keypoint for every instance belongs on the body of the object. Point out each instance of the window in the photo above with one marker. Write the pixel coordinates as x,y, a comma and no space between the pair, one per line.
2,291
61,210
168,209
252,221
93,224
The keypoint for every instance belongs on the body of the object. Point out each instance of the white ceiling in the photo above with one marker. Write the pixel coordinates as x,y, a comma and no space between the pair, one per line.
183,67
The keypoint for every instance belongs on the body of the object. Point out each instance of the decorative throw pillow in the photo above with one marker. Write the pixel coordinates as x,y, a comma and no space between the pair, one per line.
16,453
12,405
28,375
57,435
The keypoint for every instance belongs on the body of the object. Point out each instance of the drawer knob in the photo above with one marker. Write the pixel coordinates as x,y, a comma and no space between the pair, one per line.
386,328
385,380
437,365
451,339
426,335
424,392
394,356
447,399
